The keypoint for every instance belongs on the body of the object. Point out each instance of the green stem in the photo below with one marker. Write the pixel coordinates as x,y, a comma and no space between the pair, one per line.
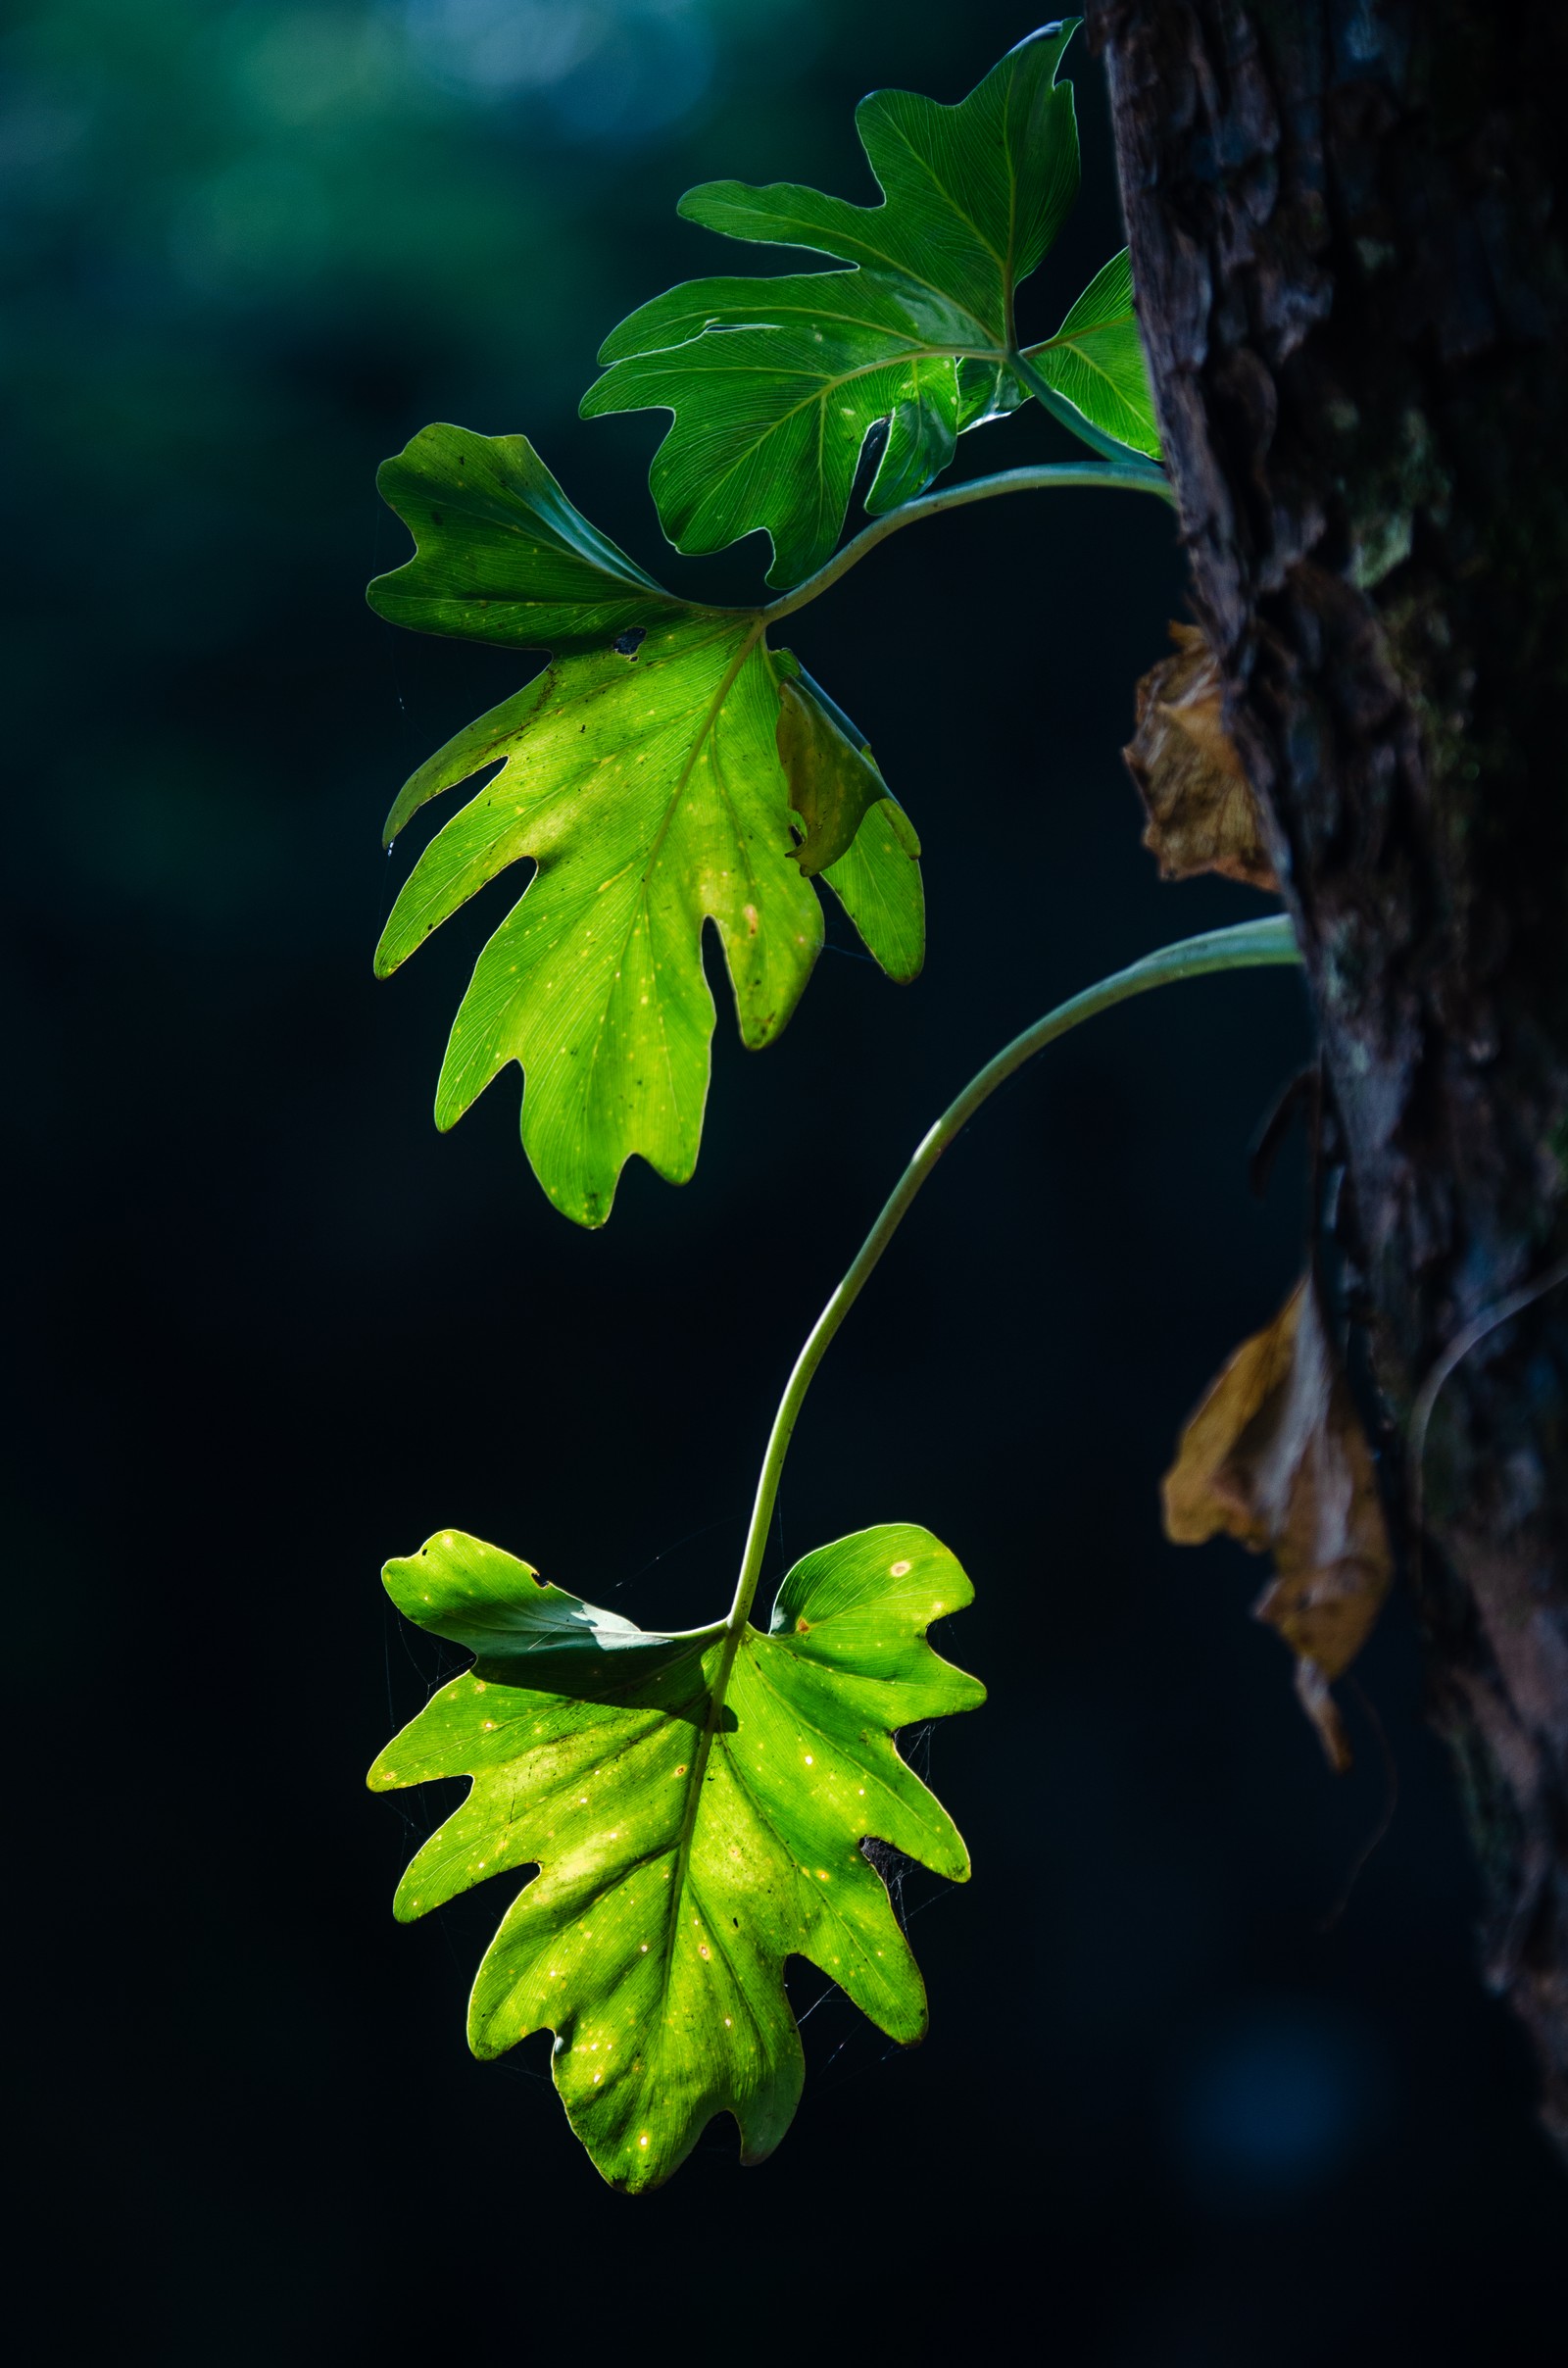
1119,470
1073,419
1252,945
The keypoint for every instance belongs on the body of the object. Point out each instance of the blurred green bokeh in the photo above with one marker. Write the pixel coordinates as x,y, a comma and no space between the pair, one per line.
248,249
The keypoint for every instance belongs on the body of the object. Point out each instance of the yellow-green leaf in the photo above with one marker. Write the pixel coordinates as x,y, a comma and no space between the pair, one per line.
694,1806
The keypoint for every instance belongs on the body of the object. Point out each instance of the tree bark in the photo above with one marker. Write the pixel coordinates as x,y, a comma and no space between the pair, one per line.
1347,230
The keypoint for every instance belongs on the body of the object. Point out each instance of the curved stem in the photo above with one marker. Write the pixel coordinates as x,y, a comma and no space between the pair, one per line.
1250,946
1119,470
1073,419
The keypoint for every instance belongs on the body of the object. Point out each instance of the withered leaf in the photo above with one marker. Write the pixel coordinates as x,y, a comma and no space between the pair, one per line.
1275,1457
1202,813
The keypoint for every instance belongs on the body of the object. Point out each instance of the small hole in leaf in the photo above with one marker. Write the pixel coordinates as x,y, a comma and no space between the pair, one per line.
632,641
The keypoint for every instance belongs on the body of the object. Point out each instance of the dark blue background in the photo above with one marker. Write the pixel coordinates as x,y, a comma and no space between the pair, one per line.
276,1329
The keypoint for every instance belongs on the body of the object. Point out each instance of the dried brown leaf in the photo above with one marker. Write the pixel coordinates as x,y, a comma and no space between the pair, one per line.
1202,813
1275,1457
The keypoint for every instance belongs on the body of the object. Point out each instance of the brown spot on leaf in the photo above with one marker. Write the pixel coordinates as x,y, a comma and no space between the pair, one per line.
1202,813
1275,1457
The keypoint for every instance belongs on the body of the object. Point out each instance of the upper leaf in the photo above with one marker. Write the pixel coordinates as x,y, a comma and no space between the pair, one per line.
1096,359
642,773
774,384
695,1819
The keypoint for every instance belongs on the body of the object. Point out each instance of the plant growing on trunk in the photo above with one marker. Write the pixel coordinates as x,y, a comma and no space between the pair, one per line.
698,1805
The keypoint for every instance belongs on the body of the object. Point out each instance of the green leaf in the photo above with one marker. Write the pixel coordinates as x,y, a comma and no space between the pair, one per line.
641,774
775,383
856,834
500,555
1096,359
878,885
695,1805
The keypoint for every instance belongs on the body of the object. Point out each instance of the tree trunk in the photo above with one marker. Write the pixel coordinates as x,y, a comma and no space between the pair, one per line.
1347,232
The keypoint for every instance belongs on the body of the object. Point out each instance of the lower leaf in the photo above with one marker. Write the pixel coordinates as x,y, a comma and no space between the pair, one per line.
695,1805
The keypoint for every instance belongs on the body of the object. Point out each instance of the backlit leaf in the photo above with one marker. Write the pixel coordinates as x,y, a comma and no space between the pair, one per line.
856,834
774,384
833,777
641,774
1096,361
695,1817
1276,1456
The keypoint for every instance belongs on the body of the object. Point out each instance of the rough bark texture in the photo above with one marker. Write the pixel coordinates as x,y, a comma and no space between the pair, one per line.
1348,224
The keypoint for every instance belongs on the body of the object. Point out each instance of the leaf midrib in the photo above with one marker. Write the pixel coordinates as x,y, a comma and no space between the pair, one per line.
1002,262
719,1691
640,904
509,757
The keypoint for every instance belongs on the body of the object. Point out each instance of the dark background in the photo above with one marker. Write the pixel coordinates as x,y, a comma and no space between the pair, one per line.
276,1329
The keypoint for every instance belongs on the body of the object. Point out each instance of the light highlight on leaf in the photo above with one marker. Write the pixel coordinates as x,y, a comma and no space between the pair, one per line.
641,774
1096,361
696,1816
502,554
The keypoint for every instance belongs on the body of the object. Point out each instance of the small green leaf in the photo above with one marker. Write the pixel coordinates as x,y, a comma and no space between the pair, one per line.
641,774
832,775
695,1819
857,836
774,384
879,884
501,553
1096,359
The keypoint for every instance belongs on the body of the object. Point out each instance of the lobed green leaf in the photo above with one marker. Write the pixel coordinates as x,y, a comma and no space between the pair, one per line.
696,1815
500,555
1096,359
774,384
642,775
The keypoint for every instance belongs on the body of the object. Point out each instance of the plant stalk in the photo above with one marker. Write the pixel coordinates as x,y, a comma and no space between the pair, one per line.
1139,476
1253,945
